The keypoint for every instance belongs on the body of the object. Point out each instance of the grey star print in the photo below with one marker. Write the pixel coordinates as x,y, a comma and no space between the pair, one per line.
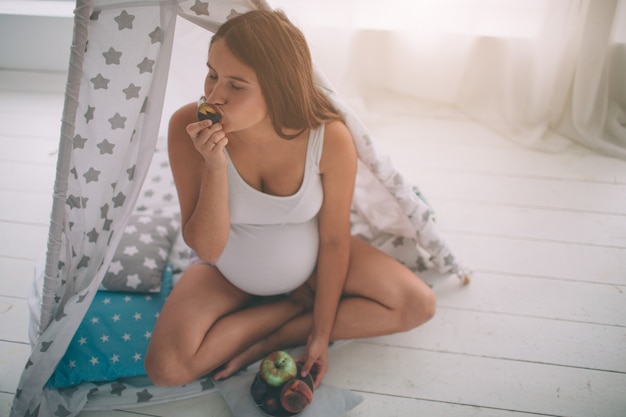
112,57
105,147
84,262
119,199
156,36
145,65
91,175
89,113
132,91
124,20
99,82
104,211
117,121
93,235
117,388
131,172
73,201
79,142
200,8
62,412
143,396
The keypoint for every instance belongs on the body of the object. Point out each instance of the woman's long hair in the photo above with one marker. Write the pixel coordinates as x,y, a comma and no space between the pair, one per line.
277,51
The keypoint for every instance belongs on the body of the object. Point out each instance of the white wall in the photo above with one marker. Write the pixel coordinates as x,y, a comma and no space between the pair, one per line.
35,35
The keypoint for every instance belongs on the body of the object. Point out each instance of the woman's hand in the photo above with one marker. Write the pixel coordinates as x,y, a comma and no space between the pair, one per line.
315,359
209,140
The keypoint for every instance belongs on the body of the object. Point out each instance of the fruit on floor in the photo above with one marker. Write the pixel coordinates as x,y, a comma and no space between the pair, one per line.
258,389
277,368
270,405
295,396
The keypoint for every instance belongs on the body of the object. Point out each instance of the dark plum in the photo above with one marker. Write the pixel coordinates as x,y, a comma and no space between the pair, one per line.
271,405
258,389
206,111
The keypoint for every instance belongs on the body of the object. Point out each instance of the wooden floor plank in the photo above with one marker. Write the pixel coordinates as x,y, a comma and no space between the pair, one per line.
542,193
536,297
29,149
482,382
12,102
23,241
577,166
23,125
373,405
35,83
33,208
6,400
419,145
16,276
588,229
548,341
120,413
383,405
13,311
509,255
38,178
213,405
13,357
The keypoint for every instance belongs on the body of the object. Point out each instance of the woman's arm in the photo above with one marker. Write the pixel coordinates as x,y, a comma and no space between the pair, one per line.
199,169
338,169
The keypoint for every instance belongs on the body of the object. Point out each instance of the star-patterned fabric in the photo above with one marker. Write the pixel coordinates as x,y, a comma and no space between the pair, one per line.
116,87
112,339
141,254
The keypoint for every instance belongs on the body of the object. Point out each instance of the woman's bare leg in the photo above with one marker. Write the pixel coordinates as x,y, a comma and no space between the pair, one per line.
380,297
205,322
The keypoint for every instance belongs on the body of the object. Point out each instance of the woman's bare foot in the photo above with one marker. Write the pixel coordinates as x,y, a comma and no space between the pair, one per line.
304,298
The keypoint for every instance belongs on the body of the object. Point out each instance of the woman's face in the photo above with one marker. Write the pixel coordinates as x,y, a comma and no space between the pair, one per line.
234,89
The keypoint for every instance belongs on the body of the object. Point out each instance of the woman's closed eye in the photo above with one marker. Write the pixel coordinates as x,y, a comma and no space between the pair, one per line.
232,85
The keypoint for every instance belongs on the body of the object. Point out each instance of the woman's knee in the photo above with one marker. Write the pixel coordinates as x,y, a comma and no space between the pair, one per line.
429,304
418,307
166,371
197,302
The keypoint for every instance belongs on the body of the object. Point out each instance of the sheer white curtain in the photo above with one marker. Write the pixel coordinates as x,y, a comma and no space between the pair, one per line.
534,70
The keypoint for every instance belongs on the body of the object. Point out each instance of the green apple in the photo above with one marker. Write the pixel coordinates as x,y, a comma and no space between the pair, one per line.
277,368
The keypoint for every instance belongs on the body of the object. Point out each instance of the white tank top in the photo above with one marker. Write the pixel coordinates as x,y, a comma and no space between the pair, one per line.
273,243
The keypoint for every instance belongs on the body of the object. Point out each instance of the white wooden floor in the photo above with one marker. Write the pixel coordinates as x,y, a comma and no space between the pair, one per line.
540,331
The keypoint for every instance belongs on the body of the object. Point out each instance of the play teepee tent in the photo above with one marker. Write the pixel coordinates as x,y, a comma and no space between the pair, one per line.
118,72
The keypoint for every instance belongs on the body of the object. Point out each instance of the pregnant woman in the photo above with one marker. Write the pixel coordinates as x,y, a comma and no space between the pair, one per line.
265,196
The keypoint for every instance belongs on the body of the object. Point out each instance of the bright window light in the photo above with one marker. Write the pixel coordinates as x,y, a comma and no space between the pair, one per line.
518,18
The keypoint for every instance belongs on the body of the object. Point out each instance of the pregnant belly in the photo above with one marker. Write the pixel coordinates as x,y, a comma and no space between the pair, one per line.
270,259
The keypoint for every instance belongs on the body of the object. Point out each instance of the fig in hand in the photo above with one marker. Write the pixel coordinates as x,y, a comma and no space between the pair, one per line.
206,111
